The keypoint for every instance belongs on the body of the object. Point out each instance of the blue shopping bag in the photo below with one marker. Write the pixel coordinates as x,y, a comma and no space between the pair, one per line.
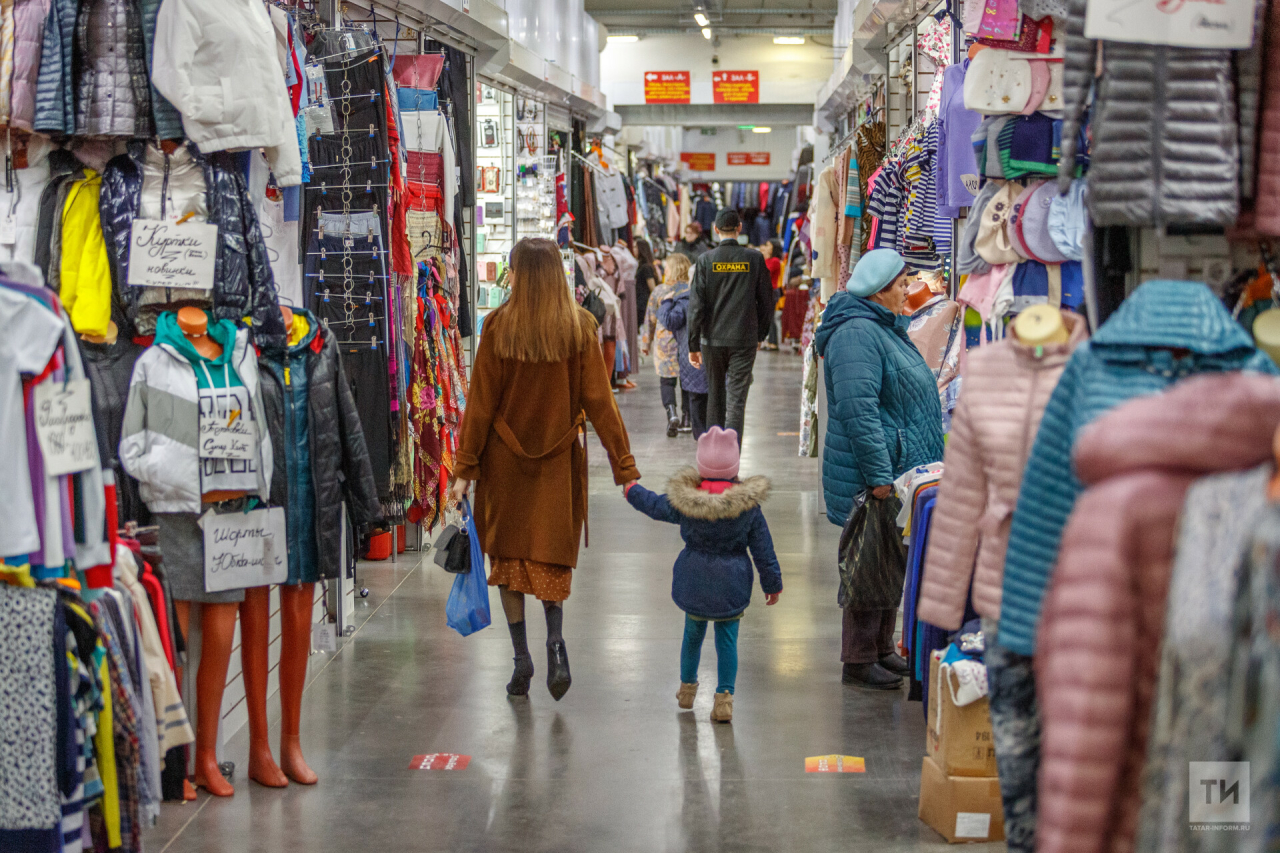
467,610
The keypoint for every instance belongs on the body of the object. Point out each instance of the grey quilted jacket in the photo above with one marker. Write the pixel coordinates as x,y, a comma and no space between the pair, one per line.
167,118
114,90
1166,140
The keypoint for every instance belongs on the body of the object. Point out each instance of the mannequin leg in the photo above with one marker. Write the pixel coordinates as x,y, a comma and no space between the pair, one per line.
255,638
183,611
295,646
217,630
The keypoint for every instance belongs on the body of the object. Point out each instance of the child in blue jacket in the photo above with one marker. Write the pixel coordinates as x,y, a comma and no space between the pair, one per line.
720,521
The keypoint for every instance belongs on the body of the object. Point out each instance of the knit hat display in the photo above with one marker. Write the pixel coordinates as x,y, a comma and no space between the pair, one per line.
1034,224
968,261
718,456
875,271
1067,221
998,81
993,242
1052,101
1031,147
1039,85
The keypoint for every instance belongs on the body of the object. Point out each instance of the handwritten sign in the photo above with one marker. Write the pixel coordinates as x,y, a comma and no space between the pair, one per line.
324,637
64,426
440,761
226,432
166,254
735,87
1220,24
835,764
666,87
244,549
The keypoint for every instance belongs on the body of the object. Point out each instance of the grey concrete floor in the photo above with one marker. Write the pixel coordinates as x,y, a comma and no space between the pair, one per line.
614,766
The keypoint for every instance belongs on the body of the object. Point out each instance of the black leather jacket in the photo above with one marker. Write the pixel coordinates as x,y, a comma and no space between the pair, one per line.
339,459
731,298
243,285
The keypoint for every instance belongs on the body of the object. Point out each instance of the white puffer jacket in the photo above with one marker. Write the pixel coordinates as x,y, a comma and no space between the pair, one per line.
158,445
218,64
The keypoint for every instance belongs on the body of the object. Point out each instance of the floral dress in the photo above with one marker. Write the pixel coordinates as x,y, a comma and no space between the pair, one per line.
657,339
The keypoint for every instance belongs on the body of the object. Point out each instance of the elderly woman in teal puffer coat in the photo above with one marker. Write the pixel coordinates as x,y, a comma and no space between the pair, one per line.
884,420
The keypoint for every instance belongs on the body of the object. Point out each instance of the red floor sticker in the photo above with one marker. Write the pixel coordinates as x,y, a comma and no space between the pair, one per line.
440,761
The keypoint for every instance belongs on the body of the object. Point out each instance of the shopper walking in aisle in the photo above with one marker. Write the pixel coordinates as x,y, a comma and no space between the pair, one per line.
648,276
657,339
730,309
538,375
673,313
723,529
885,419
693,245
772,251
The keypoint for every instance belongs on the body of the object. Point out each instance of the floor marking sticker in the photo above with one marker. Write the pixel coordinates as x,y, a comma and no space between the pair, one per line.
834,764
442,761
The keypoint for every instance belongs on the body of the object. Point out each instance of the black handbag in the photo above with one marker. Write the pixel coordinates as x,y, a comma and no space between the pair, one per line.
593,303
453,550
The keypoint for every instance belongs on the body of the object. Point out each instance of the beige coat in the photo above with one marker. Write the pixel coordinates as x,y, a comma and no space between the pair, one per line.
1006,387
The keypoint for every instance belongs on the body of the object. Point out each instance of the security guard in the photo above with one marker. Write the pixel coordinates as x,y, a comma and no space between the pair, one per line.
730,309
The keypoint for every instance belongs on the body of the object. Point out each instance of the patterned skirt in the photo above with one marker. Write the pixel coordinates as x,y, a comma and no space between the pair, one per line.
545,581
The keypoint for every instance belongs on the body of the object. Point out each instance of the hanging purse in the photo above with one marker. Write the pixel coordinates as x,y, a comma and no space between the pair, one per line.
453,549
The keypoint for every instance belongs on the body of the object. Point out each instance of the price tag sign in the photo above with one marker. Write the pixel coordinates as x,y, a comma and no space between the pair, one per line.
244,549
226,432
1216,24
324,637
8,229
166,254
971,183
319,120
64,426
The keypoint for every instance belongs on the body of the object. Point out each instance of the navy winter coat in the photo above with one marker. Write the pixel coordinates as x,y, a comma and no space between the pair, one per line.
885,417
243,287
712,578
673,313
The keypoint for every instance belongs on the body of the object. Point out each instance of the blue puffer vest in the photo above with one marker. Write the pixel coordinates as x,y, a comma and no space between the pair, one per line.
883,400
673,313
1164,332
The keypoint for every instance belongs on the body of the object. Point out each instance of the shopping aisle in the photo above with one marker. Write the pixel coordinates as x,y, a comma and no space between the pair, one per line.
615,766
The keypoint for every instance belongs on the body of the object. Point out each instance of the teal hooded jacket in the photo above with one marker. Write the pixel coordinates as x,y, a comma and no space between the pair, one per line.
884,415
1164,332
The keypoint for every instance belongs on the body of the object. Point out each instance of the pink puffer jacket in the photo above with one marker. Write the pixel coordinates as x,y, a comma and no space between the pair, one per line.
1098,648
1005,389
28,36
1268,193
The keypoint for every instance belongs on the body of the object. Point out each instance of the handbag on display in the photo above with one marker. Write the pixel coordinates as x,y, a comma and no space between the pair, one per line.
490,179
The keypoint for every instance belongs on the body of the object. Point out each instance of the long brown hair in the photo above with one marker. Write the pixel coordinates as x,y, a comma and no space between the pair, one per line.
541,321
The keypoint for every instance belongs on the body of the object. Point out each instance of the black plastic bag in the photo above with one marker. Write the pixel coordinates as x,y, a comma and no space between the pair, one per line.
873,560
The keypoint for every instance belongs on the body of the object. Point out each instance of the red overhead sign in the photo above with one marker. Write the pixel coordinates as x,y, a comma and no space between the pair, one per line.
698,161
666,87
748,158
735,87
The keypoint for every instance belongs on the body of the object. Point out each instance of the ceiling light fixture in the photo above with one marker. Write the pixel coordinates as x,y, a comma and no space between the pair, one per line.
623,39
762,130
706,33
788,39
702,19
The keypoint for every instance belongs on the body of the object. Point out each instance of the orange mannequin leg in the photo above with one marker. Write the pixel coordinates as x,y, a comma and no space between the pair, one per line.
295,647
255,638
217,630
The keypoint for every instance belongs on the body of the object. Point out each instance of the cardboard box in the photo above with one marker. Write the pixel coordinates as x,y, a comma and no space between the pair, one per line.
962,809
959,738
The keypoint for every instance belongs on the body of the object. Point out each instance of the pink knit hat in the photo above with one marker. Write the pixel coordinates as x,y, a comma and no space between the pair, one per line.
718,454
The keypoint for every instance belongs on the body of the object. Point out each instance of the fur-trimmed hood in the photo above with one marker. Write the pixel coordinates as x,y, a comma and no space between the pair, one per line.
685,496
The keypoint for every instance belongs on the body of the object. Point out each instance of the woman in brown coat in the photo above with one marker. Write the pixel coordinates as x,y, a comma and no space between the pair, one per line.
538,375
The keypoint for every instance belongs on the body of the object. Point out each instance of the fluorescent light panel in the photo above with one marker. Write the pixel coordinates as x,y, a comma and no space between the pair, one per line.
702,19
706,33
788,39
762,130
623,38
